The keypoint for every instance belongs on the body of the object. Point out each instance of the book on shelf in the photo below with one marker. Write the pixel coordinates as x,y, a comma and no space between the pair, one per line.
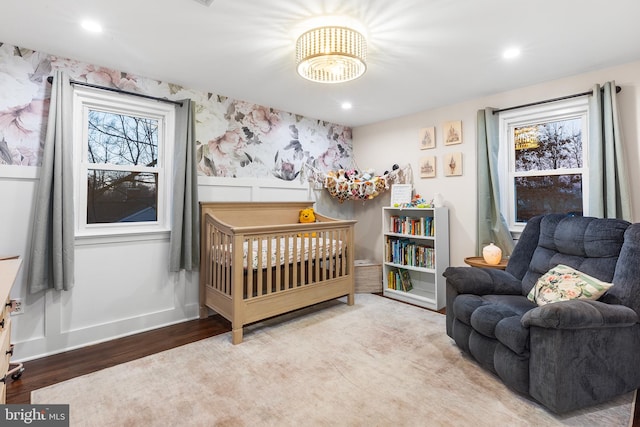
399,280
406,252
391,280
419,226
406,280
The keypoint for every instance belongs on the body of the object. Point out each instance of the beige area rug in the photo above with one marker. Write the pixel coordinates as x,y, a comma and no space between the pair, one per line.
377,363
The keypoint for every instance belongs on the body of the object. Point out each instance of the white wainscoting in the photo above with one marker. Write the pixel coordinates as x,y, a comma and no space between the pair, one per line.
251,190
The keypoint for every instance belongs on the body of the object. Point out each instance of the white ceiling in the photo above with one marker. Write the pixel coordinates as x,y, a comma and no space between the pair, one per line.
422,53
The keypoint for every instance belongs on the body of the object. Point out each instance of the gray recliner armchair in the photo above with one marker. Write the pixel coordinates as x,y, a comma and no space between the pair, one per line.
566,355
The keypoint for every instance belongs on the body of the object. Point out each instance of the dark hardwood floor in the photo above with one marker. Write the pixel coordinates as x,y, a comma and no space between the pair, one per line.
60,367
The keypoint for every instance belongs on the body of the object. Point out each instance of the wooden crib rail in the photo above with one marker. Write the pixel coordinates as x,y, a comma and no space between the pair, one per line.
275,260
240,214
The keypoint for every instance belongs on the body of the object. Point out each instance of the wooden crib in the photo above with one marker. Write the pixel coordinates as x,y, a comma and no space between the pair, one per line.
258,261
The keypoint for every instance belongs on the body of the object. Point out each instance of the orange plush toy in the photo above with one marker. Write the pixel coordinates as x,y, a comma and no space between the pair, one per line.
307,216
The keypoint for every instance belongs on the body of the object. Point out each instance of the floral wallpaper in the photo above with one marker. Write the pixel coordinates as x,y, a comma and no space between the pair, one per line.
234,138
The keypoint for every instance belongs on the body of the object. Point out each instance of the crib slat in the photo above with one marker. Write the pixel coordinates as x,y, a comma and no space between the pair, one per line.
248,291
309,258
294,270
269,263
258,270
343,258
218,259
324,255
225,264
332,259
215,260
335,258
220,262
316,258
329,255
285,261
302,242
278,283
304,261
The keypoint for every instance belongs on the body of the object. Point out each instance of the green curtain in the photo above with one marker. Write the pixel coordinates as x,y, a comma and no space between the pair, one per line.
184,249
608,177
491,227
51,257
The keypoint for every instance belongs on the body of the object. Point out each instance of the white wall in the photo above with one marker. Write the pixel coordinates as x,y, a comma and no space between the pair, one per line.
396,141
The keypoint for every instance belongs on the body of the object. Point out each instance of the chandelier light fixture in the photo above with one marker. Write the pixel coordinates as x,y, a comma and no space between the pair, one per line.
331,54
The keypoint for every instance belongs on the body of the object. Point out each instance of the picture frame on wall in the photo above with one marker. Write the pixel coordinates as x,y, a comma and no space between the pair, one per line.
452,132
428,167
453,164
427,138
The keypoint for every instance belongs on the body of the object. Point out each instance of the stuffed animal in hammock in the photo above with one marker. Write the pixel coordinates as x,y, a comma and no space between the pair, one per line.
307,216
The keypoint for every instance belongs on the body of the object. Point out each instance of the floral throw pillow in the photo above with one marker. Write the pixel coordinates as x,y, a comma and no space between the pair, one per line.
563,283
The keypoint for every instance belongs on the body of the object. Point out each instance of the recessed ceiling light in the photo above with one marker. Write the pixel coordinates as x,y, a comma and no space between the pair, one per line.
346,106
511,53
91,26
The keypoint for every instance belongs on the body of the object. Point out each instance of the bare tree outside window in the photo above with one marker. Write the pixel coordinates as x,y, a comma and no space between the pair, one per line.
122,156
547,172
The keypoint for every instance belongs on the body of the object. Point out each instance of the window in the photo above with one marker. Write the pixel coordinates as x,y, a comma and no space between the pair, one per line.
544,159
123,163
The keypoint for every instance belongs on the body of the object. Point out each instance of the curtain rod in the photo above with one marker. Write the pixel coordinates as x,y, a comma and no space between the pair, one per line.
112,89
576,95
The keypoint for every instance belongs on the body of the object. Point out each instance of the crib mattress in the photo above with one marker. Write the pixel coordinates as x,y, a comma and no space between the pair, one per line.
305,248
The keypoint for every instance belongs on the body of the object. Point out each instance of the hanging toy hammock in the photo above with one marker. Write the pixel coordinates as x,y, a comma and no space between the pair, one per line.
354,185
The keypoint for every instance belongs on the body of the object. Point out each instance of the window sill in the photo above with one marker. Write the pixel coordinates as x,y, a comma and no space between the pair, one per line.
121,237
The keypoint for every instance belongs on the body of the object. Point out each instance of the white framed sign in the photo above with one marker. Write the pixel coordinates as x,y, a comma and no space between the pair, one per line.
400,194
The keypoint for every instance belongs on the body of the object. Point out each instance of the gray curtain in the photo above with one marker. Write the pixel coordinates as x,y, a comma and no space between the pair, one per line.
184,251
491,227
608,178
52,241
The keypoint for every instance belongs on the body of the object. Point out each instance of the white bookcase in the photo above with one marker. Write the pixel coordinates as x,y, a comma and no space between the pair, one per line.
416,240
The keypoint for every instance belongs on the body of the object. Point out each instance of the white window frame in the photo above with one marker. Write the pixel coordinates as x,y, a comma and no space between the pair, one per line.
84,99
556,111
